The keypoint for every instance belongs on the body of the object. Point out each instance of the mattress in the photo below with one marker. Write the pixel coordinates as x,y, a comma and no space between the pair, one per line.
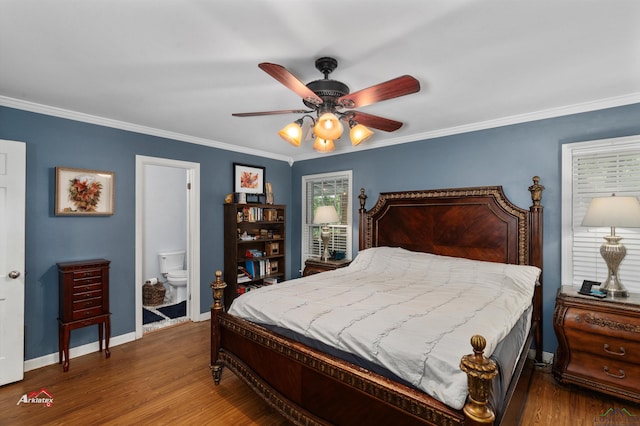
403,314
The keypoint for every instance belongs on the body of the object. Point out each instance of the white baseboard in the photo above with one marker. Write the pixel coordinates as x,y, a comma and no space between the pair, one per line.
43,361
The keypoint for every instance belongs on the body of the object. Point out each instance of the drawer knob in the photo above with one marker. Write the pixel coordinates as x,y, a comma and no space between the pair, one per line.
616,376
621,352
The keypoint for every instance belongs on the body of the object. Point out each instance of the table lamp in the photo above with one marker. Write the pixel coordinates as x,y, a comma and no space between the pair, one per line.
613,211
325,215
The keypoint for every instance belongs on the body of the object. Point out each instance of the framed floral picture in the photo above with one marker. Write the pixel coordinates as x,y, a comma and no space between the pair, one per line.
82,192
248,179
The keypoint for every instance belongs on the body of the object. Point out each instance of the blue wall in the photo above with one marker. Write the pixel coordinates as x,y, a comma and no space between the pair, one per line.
509,156
55,142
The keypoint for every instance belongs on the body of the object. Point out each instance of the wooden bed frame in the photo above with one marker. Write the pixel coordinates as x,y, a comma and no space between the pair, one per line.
309,387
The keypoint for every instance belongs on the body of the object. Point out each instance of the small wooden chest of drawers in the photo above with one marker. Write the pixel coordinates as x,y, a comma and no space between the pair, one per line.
316,265
83,301
598,343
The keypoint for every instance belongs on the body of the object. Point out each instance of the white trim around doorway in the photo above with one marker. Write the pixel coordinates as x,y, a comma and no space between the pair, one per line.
193,239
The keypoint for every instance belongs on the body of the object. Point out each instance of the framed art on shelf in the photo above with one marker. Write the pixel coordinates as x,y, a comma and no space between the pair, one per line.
248,179
82,192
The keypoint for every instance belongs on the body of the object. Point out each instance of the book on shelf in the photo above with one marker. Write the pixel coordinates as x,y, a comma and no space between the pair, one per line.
259,268
248,265
242,271
252,214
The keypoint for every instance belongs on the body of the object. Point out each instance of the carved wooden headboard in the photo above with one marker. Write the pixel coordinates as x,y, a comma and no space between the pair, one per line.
477,223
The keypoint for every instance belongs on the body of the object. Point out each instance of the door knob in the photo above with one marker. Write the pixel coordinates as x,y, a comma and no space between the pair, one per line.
14,274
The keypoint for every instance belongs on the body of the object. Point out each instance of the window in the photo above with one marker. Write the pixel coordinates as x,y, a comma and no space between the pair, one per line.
597,169
322,190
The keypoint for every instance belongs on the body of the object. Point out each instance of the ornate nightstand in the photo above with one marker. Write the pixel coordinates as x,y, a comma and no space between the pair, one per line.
315,265
598,343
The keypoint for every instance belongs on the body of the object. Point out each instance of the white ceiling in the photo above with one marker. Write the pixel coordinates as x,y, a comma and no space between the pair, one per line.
181,68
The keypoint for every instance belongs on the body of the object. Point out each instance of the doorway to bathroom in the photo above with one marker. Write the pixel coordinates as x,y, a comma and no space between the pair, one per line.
167,228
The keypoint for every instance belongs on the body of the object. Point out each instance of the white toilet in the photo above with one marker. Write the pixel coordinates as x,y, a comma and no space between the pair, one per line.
172,268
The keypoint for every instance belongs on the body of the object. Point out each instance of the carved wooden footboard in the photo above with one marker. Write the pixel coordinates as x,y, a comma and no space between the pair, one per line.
310,387
294,379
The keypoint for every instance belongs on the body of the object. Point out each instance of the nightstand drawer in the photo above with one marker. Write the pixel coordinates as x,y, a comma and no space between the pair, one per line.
87,273
605,346
80,291
626,327
605,370
87,303
86,313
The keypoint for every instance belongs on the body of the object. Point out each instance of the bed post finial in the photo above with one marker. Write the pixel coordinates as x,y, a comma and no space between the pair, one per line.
480,372
362,226
536,191
363,199
217,288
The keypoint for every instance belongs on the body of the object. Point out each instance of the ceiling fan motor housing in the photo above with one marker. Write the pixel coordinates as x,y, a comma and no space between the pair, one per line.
329,90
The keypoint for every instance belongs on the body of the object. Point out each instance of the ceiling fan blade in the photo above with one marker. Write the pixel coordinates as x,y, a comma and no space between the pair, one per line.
283,75
399,86
259,113
377,122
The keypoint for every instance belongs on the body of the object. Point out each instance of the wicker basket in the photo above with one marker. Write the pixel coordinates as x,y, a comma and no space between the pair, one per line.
153,294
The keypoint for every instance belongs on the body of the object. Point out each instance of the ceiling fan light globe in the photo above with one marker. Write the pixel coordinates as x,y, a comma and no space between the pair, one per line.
359,134
292,133
324,145
328,127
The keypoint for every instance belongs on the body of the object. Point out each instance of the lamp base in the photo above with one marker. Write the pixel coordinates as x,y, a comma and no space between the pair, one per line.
325,235
615,293
613,251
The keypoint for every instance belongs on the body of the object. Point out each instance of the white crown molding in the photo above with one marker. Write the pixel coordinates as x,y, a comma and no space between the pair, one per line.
122,125
628,99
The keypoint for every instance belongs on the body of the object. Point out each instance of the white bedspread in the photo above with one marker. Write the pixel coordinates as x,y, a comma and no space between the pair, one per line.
413,313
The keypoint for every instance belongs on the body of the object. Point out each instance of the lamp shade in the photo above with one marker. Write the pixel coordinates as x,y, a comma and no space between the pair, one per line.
325,214
613,211
328,126
359,134
292,133
324,145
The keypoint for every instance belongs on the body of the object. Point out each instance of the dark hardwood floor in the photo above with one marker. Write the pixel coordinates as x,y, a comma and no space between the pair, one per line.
164,379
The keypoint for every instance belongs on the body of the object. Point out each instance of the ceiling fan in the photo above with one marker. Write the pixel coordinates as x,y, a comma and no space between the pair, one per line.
332,102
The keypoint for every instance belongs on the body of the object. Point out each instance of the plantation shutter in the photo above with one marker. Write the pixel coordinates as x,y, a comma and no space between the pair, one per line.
599,170
323,190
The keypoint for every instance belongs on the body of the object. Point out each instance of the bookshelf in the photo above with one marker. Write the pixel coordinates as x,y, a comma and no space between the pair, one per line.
254,247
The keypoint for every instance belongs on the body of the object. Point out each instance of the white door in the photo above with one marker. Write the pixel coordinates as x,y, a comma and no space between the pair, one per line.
12,217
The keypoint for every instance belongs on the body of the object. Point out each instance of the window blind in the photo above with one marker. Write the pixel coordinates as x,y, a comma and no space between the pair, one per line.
599,169
322,190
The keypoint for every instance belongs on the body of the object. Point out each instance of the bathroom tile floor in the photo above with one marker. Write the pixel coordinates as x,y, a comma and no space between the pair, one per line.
166,321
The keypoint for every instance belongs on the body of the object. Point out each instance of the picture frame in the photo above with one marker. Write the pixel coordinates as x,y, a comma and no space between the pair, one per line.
84,192
248,179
